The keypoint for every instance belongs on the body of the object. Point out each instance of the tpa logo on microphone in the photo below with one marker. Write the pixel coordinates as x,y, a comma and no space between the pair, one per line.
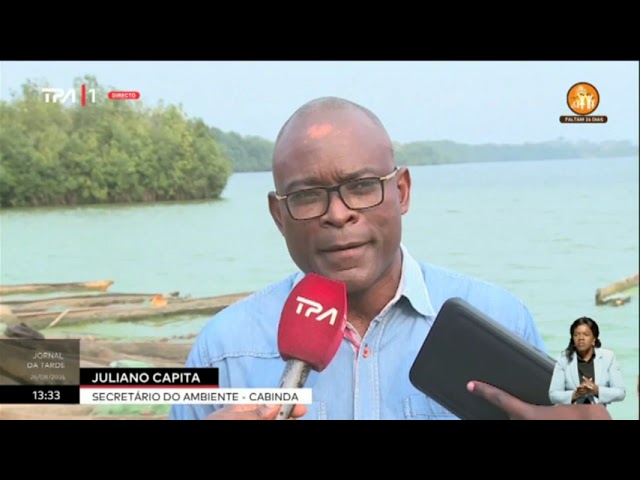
315,307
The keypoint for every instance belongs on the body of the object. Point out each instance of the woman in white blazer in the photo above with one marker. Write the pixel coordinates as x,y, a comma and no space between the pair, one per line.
585,372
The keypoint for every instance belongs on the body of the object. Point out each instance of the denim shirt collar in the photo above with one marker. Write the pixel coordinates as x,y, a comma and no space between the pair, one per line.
412,285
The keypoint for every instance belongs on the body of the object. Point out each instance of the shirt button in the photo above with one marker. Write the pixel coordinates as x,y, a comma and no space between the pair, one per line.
366,352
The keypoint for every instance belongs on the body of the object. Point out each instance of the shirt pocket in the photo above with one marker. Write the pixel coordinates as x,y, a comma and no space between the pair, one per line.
420,407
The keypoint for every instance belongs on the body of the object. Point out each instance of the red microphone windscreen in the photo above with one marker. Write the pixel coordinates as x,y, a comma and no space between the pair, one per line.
313,321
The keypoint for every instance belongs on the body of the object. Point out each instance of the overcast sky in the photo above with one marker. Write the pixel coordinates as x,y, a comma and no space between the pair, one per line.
469,102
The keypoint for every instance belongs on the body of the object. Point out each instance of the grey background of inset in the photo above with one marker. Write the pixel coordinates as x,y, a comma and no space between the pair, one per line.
18,366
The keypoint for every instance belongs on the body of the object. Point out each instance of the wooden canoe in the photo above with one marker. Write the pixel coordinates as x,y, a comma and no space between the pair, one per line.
603,295
119,313
83,301
100,285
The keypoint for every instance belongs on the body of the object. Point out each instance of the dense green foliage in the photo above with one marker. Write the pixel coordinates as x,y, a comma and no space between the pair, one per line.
123,151
107,152
247,153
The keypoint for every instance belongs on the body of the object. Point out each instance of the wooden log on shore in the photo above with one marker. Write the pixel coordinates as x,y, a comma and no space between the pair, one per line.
24,306
159,354
100,285
603,294
196,306
6,314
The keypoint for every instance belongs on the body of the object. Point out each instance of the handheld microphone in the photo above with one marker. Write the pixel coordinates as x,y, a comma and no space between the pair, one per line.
310,331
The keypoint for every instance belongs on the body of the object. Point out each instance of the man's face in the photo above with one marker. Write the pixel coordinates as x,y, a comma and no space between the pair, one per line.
325,149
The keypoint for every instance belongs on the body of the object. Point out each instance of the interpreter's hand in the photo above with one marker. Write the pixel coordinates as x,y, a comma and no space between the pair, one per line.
581,391
516,409
254,412
591,387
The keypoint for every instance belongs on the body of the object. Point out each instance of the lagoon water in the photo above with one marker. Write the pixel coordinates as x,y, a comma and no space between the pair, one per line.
550,231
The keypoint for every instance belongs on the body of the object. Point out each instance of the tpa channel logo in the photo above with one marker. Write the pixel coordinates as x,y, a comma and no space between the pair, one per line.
315,307
86,95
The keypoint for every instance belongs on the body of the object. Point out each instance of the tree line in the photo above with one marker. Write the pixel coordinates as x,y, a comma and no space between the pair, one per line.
109,152
251,153
125,152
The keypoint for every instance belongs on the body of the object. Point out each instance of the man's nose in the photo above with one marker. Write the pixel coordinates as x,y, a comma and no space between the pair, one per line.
338,212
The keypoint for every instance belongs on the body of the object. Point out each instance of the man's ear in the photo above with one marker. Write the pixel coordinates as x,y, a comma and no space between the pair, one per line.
276,212
404,189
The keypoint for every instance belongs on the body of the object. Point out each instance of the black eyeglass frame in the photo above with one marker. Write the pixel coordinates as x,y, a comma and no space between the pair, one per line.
336,188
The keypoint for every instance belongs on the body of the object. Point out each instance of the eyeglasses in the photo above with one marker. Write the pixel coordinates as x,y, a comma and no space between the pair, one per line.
355,194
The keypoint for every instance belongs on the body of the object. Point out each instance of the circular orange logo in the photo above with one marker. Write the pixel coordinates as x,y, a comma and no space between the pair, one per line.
583,98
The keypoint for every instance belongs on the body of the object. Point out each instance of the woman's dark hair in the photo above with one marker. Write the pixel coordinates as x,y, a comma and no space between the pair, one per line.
591,323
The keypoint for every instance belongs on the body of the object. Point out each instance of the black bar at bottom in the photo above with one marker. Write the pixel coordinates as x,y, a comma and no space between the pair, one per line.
39,394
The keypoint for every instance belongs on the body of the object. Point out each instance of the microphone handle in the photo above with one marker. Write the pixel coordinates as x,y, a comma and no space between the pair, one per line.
294,376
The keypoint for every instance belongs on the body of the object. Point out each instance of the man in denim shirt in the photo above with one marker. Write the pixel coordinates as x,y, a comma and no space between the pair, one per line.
339,202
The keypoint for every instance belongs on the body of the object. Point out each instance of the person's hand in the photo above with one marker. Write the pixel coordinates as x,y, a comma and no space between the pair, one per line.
581,391
591,387
516,409
254,412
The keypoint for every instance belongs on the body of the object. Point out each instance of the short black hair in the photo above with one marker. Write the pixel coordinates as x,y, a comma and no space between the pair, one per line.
591,323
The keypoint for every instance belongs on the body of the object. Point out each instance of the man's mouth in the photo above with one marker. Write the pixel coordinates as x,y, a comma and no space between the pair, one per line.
342,247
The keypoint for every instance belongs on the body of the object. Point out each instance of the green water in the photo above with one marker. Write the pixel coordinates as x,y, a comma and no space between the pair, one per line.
550,231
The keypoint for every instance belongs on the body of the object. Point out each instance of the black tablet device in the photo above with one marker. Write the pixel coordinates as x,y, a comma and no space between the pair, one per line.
464,344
